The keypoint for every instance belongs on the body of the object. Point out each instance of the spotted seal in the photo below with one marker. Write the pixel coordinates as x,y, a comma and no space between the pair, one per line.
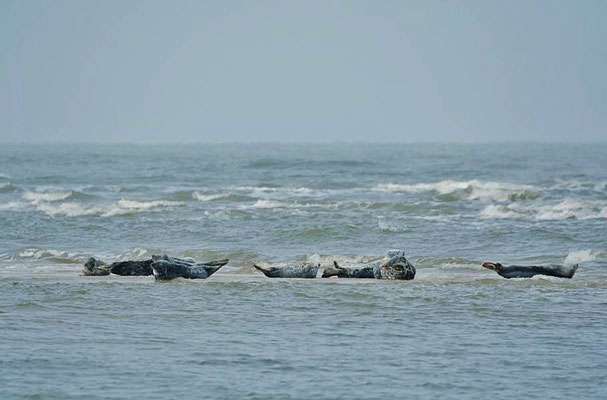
94,267
344,272
393,266
167,268
518,271
306,270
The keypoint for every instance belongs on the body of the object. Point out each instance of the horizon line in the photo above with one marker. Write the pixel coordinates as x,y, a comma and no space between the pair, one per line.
292,142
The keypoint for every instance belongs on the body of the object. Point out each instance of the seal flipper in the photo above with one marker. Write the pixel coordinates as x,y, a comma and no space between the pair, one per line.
332,271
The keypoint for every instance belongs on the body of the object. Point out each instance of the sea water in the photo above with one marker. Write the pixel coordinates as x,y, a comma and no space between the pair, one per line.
456,331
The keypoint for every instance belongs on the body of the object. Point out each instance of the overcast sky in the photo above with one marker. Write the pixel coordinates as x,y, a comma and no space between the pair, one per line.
182,71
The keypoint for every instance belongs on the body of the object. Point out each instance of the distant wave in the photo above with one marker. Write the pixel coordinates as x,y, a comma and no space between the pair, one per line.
39,197
9,187
276,204
220,196
265,189
468,190
50,204
52,255
567,209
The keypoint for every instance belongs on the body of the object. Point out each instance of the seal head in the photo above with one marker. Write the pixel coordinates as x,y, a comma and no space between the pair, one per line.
94,267
394,266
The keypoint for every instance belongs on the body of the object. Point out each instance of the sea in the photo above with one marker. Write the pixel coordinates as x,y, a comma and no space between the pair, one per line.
457,331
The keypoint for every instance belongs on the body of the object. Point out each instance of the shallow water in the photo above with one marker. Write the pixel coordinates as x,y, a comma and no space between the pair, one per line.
456,331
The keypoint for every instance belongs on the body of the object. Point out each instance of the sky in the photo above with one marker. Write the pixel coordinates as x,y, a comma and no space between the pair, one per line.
303,71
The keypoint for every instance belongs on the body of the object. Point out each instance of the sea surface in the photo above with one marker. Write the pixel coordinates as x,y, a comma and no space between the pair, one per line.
457,331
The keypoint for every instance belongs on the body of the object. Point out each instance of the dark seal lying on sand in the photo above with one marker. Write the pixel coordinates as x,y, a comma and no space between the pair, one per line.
518,271
166,268
162,267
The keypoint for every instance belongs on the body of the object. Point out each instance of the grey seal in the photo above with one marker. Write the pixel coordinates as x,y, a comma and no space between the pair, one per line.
518,271
306,270
344,272
393,266
167,268
94,267
130,268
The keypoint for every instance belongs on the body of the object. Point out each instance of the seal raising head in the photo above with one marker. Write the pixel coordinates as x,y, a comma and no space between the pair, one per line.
394,266
94,267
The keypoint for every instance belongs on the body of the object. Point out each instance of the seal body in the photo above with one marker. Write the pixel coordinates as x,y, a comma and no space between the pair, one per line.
137,268
306,270
167,268
343,272
519,271
94,267
393,266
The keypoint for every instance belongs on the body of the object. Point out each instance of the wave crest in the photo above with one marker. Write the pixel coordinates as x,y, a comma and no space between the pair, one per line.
450,190
567,209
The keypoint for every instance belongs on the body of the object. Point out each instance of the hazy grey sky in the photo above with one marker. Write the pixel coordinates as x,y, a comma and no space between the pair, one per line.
180,71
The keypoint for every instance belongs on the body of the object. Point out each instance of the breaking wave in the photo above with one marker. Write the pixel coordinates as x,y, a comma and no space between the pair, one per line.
9,187
567,209
39,197
580,256
221,196
122,207
277,204
450,190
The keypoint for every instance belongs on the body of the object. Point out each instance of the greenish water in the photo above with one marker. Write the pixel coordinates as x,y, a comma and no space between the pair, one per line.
456,331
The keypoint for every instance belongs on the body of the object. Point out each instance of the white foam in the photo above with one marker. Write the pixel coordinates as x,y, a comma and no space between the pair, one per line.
580,256
12,205
143,205
209,197
388,225
270,204
566,209
469,190
76,209
500,212
39,197
70,209
265,189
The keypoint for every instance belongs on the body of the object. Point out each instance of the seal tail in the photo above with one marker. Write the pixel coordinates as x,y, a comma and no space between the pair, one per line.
259,268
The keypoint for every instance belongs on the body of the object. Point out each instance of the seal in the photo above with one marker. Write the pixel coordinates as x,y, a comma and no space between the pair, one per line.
306,270
94,267
132,268
166,268
343,272
393,266
518,271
